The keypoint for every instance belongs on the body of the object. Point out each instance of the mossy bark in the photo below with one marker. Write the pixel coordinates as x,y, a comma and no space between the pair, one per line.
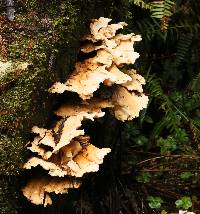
45,34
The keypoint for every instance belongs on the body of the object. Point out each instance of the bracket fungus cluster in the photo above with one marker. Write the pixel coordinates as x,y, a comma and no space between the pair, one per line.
65,151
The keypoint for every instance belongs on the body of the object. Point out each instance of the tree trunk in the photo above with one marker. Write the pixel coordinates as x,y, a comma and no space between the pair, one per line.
46,35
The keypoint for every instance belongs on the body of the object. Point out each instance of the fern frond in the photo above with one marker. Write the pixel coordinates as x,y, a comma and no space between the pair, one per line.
172,119
158,128
193,102
173,113
154,87
141,4
175,31
162,8
158,9
197,122
186,25
148,28
183,47
194,85
195,128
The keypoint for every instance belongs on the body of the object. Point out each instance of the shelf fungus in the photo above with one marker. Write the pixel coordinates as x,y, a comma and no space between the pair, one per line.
37,189
127,105
136,82
75,159
100,29
113,52
65,151
90,74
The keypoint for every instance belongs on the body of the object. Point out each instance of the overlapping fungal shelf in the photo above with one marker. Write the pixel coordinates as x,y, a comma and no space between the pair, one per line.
65,150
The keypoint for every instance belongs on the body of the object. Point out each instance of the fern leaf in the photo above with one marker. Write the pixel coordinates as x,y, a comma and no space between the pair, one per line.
183,47
141,4
162,8
193,102
195,83
158,10
154,87
158,128
148,28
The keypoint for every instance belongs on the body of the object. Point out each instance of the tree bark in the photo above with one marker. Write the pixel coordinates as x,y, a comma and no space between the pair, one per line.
46,35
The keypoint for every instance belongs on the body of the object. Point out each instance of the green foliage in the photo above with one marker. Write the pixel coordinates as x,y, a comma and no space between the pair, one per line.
144,177
141,4
162,8
154,202
167,145
175,116
158,9
185,202
170,126
186,175
141,140
183,47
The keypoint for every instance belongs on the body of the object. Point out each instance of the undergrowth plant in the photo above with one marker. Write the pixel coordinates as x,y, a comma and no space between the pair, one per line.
162,146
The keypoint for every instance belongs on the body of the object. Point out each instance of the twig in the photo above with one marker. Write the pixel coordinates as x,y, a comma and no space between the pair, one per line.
168,170
168,156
